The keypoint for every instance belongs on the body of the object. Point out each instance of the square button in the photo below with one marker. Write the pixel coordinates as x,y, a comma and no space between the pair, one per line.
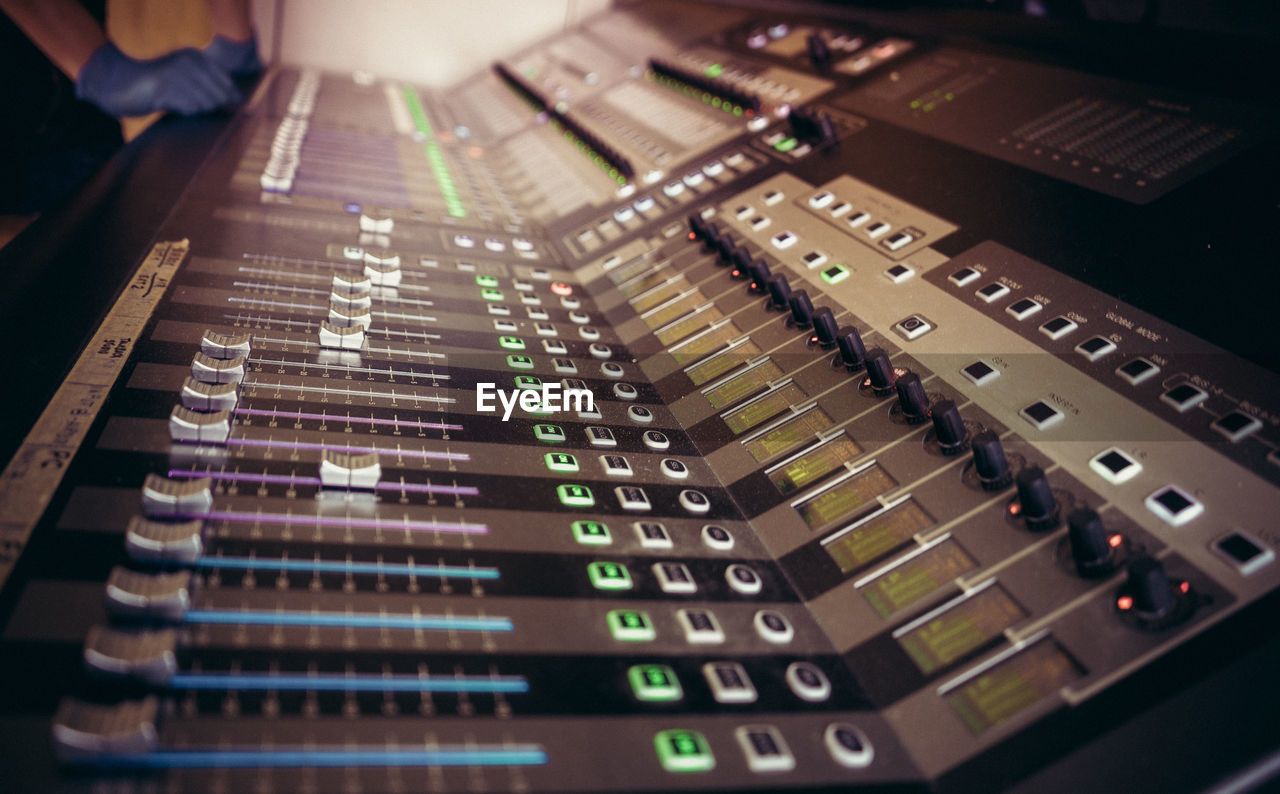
764,748
963,276
729,682
1174,505
591,533
743,212
1115,466
899,273
1137,371
980,372
609,576
575,495
822,199
759,222
601,437
700,626
630,625
877,229
675,577
1237,425
784,240
564,366
548,434
992,292
683,751
1185,396
561,462
616,466
858,218
840,209
1024,308
913,327
814,259
773,197
1096,347
1058,327
897,241
1041,415
655,683
555,347
632,498
835,274
1246,553
653,535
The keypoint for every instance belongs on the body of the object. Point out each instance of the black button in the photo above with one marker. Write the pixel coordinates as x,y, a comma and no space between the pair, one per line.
1115,462
1173,501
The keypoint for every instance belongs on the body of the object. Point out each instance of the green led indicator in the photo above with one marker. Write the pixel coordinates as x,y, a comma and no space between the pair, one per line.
786,144
715,70
835,274
575,495
491,294
683,751
548,434
486,281
591,533
715,102
519,361
950,96
629,625
528,382
561,461
511,342
435,157
737,111
654,683
915,104
609,576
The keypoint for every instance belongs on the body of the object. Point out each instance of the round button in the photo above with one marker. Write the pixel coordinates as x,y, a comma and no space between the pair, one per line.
639,413
611,369
847,745
808,682
773,627
744,579
716,537
570,303
675,469
588,333
581,318
600,351
656,440
623,391
695,501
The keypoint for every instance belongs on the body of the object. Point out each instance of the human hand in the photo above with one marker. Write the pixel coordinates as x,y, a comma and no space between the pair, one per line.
236,58
185,82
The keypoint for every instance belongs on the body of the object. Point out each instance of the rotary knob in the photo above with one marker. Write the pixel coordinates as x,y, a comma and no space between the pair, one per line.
1038,506
879,371
912,397
990,462
852,352
1091,548
824,326
948,427
779,291
759,272
1149,586
801,309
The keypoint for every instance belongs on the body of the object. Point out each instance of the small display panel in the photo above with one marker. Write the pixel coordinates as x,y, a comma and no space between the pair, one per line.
647,300
805,469
703,316
960,630
662,315
742,385
714,367
764,408
858,545
843,500
918,578
699,346
1013,686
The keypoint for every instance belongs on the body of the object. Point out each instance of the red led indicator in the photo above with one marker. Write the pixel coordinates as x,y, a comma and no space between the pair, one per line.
1015,508
1115,541
1185,587
1125,602
692,236
561,288
736,273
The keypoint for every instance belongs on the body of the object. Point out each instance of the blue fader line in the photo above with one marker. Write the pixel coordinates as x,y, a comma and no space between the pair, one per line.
516,755
345,620
332,566
337,682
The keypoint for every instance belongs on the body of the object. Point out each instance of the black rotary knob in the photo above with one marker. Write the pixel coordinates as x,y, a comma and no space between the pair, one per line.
819,52
824,326
801,308
712,236
779,291
760,273
1090,543
990,462
1039,507
740,259
852,352
879,371
698,225
724,247
912,397
1150,588
948,427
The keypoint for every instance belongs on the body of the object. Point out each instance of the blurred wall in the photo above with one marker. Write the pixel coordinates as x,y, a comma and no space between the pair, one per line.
434,42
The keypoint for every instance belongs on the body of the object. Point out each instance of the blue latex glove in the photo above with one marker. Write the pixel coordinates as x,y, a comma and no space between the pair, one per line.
236,58
184,82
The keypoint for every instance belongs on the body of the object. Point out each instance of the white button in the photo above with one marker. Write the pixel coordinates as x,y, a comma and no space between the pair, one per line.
744,212
700,626
1139,370
675,578
652,535
773,197
858,218
963,276
992,292
877,229
729,682
638,413
1115,465
1058,327
673,189
1024,308
632,498
808,682
694,179
744,579
765,748
840,210
773,626
601,437
914,327
1095,348
814,259
980,372
656,440
784,240
464,241
821,200
1174,505
616,466
847,745
899,240
713,169
695,501
674,469
1041,415
899,273
759,222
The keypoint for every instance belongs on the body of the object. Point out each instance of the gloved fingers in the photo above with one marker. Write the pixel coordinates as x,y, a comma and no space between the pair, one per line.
193,84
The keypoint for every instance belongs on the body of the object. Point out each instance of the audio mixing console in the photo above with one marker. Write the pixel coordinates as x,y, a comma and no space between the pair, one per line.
757,402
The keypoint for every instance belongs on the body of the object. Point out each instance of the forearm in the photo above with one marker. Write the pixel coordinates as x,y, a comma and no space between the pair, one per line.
63,30
231,19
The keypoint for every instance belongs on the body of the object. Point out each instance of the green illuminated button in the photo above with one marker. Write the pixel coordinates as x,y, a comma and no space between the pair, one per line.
550,434
511,343
715,70
786,144
528,382
629,625
575,495
490,294
561,461
518,361
654,683
835,274
609,576
486,281
591,533
683,751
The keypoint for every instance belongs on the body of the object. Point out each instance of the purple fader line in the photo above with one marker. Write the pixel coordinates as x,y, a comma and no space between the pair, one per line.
404,453
414,487
337,521
360,420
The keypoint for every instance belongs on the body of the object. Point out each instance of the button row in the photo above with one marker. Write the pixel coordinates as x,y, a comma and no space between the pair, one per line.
763,747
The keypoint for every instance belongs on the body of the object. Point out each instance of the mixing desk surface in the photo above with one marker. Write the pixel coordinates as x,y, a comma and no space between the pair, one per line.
758,402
